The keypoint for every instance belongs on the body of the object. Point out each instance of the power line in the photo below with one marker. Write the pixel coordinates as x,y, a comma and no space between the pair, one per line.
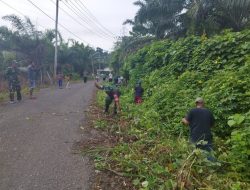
70,16
82,18
8,5
91,21
84,26
54,21
94,19
69,6
93,16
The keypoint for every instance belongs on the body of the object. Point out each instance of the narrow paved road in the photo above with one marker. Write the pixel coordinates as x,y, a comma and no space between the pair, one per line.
36,138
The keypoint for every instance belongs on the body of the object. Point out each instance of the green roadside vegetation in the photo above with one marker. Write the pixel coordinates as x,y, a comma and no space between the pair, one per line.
23,43
4,95
173,74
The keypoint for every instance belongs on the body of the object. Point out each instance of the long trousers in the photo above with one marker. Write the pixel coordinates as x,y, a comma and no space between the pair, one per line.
15,88
60,83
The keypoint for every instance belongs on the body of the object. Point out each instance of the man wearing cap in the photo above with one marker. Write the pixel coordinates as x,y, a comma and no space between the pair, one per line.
200,121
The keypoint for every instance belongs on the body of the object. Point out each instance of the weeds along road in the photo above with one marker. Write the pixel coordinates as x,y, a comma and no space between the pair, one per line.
36,137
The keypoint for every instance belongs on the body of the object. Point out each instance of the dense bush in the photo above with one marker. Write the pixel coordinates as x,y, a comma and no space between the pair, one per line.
173,75
176,73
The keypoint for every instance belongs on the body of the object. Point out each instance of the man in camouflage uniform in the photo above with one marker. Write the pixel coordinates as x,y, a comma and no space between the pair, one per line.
113,93
14,84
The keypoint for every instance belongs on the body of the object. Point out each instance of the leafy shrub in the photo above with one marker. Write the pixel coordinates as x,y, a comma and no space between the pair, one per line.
239,153
174,73
228,93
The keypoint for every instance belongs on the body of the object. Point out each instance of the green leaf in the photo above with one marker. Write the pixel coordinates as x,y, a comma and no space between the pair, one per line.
136,182
239,119
231,123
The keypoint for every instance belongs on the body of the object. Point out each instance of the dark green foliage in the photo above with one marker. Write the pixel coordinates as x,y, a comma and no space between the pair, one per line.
227,93
215,68
212,16
240,144
176,18
173,74
157,17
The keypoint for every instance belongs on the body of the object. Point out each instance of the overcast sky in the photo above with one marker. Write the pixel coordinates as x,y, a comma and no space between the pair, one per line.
98,29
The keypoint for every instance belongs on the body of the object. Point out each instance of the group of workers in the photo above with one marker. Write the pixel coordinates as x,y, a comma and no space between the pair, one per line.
14,84
113,92
12,76
199,119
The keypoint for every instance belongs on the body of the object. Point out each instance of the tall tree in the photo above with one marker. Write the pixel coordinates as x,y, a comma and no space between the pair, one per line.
234,14
212,16
29,44
125,46
157,17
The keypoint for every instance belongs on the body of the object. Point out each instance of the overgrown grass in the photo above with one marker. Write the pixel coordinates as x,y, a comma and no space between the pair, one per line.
4,96
155,159
173,75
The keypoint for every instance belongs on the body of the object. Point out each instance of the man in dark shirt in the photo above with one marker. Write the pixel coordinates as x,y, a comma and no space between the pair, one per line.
32,72
116,80
200,121
138,92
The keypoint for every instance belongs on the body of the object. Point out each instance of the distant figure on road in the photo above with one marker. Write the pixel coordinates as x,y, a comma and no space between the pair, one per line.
11,75
60,80
200,121
110,77
138,92
97,78
32,72
113,93
85,78
67,79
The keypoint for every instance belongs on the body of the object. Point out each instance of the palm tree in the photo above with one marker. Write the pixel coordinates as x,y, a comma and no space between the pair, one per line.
157,17
202,18
234,14
5,38
25,36
212,16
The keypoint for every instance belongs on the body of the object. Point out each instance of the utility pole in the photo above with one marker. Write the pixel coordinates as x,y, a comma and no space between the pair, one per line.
93,71
92,62
56,45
